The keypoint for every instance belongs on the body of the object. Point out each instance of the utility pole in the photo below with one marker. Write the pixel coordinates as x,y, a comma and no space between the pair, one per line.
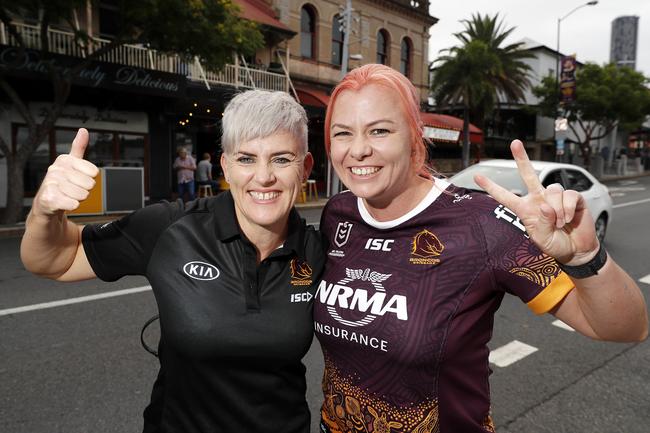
559,116
334,185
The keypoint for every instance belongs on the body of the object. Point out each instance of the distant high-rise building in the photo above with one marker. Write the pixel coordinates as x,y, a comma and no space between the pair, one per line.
625,31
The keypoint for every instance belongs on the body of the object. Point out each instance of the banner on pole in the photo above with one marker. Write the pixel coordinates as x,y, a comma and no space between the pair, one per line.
568,80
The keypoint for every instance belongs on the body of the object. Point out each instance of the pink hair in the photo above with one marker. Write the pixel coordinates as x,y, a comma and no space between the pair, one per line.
388,77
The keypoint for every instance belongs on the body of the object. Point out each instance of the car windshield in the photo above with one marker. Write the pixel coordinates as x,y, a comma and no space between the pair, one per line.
507,177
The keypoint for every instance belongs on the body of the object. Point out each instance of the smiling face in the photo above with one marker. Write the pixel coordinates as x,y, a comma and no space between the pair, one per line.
371,146
265,177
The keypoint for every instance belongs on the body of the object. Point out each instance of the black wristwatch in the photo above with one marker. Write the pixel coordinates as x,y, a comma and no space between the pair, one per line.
588,269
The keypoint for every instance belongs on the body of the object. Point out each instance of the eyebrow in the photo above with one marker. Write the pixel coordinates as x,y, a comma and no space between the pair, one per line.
281,152
373,123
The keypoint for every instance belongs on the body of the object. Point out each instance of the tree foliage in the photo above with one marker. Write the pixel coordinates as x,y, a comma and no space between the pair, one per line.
208,29
480,72
606,97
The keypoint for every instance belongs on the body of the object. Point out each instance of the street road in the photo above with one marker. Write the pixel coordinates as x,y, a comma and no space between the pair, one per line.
79,367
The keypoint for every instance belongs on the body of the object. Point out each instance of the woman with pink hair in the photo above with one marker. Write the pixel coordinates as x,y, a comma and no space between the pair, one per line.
417,268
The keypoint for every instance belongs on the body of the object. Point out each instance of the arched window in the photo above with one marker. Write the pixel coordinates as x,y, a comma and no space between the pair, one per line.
307,32
337,40
405,58
383,44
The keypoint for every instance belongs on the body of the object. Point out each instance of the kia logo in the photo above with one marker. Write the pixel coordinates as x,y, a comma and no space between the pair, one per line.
201,271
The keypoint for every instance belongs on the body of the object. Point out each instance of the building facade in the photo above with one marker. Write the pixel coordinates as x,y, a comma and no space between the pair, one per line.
624,37
140,105
394,33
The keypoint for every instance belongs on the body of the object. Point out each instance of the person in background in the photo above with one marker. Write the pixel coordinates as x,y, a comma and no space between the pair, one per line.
416,269
233,275
204,173
185,166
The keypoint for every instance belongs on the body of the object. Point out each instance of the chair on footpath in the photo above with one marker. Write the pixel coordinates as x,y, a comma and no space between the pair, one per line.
312,192
302,197
205,190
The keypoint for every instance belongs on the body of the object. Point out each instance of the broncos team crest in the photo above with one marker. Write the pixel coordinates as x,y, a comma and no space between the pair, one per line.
426,249
301,273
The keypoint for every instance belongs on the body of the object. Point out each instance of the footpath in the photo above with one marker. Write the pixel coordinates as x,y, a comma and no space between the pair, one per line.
16,230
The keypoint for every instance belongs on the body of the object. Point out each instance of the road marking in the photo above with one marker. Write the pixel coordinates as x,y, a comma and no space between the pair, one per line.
631,203
561,324
627,188
510,353
627,182
73,300
646,279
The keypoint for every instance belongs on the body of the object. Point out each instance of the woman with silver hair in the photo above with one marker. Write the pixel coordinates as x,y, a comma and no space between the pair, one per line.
233,275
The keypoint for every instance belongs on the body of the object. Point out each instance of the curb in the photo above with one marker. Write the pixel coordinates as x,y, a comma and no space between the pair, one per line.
17,230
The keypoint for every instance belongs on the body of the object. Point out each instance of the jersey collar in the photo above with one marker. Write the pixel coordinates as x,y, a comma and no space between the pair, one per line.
226,227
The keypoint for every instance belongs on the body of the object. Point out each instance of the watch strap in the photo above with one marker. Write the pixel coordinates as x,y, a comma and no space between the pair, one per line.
588,269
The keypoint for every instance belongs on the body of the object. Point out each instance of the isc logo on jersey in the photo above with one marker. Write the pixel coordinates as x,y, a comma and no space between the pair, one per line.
361,291
379,244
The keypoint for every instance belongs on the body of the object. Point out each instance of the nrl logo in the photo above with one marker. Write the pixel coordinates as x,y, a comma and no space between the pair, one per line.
342,234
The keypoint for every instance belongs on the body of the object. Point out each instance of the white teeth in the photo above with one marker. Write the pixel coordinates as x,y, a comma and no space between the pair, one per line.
364,171
264,195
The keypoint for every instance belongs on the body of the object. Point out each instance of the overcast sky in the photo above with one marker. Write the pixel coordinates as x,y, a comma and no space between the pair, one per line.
586,32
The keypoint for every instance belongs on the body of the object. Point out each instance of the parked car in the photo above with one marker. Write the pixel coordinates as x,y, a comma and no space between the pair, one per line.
504,172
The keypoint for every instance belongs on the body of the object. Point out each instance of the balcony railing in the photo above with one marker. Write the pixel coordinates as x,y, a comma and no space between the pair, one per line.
61,42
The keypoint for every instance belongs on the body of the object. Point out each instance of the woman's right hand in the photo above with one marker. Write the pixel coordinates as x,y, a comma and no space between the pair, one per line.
68,180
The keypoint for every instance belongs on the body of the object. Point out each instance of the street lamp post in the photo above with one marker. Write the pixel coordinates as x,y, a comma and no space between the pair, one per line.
557,54
334,183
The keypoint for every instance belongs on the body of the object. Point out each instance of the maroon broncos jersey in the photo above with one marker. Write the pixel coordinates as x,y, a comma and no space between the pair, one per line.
406,308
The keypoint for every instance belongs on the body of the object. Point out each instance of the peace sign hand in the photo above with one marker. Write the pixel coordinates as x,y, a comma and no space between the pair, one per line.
557,221
68,180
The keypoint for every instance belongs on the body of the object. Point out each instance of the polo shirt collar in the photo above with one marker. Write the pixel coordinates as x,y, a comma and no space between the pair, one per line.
226,226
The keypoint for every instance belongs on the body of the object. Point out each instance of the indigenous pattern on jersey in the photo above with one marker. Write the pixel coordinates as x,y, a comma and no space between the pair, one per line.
405,310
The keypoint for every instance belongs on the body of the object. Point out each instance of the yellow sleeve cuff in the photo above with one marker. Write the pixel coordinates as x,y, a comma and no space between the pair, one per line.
551,295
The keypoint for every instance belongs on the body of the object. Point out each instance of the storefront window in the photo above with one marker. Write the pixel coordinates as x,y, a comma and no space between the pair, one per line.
100,149
105,149
131,150
63,140
37,164
181,139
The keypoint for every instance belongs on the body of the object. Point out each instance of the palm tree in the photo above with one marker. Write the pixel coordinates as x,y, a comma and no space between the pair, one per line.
480,72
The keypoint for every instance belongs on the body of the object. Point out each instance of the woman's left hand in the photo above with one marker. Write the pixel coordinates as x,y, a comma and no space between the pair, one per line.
557,221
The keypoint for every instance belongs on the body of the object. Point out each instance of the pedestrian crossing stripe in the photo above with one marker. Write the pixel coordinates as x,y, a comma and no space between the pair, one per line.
561,324
511,353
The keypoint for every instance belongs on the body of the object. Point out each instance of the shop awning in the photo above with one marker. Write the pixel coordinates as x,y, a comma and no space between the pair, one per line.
262,13
448,129
312,97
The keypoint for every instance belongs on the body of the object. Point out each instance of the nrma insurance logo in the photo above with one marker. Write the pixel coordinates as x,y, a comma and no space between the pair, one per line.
201,271
360,298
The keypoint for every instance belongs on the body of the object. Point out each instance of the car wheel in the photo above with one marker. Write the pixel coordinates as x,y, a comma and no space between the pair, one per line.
601,228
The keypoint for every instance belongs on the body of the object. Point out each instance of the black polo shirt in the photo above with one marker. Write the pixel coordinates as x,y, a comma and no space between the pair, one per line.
233,332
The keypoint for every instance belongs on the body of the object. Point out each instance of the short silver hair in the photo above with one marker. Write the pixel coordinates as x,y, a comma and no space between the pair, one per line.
261,113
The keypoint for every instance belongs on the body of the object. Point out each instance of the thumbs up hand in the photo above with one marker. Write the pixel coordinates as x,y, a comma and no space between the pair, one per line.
68,180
